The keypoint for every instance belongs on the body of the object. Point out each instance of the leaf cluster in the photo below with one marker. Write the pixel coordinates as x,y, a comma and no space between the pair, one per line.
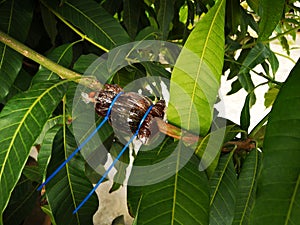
216,184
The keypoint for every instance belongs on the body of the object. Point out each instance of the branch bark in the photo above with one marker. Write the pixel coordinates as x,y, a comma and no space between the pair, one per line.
61,71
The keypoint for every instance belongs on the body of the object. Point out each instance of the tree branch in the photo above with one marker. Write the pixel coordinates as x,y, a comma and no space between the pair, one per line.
94,84
61,71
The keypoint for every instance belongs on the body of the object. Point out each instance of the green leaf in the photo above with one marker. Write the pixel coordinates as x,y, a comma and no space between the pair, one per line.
15,20
257,55
278,194
165,16
22,201
196,76
209,148
120,166
21,83
270,16
234,18
132,10
44,155
180,197
83,62
61,55
46,209
247,183
21,122
235,87
148,33
95,22
273,61
223,184
32,173
58,120
50,23
154,69
254,4
70,186
245,114
270,96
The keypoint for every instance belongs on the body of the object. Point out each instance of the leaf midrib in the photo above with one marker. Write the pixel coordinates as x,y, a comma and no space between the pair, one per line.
89,19
175,188
221,177
200,65
9,149
252,186
288,217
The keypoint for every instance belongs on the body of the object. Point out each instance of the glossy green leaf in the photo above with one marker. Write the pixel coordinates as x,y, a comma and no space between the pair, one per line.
257,55
196,76
70,186
57,120
270,14
224,185
235,87
165,16
21,122
209,149
132,10
46,209
61,55
278,194
15,20
274,63
95,22
180,197
247,182
44,155
245,114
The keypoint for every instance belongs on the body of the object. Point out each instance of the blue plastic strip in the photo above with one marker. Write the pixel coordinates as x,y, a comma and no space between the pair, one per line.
82,144
115,161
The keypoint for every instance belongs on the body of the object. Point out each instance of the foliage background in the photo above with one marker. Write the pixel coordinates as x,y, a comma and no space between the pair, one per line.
241,187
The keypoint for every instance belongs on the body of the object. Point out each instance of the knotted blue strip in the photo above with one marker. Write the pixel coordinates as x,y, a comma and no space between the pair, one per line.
83,143
115,160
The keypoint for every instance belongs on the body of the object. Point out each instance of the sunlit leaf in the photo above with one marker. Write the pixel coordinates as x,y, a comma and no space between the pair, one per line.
196,76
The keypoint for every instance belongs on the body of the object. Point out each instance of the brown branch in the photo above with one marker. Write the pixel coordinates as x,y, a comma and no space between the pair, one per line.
190,138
